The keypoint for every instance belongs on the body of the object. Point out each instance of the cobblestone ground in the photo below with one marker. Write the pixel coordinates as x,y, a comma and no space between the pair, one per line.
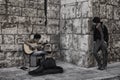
71,72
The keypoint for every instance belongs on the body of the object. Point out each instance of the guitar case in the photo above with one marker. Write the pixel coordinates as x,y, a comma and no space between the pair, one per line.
48,66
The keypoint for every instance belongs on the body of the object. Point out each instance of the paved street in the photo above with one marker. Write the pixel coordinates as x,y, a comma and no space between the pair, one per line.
71,72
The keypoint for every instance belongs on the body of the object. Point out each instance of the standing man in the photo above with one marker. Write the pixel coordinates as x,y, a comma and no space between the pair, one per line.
100,35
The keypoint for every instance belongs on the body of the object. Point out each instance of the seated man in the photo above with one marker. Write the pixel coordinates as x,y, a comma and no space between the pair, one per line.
34,48
47,64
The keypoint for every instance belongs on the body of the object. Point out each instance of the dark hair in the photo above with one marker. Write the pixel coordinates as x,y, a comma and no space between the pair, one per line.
96,20
37,36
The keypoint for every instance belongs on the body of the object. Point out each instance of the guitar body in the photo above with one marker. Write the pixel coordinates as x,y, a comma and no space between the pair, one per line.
27,48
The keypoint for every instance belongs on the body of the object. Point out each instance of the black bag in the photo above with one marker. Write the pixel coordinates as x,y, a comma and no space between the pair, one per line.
48,66
49,63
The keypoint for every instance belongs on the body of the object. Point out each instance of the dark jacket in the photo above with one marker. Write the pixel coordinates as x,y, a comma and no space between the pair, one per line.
97,34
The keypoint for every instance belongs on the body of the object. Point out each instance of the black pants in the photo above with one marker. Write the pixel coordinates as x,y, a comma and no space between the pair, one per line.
100,45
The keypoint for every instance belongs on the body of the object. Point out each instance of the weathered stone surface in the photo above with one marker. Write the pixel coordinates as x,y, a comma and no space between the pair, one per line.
1,39
24,28
2,56
20,19
52,29
39,29
103,11
53,14
109,11
9,29
29,12
85,26
16,11
2,9
116,13
20,39
8,39
55,38
66,41
40,13
77,26
10,48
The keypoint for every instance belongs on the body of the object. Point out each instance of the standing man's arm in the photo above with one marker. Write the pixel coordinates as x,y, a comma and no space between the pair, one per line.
106,34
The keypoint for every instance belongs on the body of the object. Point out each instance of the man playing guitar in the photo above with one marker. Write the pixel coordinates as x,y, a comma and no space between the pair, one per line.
34,48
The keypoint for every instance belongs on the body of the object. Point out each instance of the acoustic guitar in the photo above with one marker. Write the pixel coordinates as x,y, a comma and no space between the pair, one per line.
28,49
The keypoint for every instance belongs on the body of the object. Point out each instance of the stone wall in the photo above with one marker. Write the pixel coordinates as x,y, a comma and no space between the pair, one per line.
75,34
76,37
19,19
68,28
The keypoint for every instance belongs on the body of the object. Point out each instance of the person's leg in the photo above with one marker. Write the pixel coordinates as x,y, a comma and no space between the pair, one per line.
105,55
96,48
33,60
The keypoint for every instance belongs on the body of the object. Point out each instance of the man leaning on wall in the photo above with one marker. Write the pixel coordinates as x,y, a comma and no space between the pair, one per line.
100,39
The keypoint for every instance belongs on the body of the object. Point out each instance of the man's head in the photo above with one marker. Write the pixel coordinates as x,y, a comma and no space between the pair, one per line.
96,20
37,37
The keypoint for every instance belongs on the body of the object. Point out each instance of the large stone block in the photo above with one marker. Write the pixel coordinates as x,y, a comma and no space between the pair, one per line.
24,20
66,41
2,18
75,42
83,43
70,11
40,13
21,3
53,14
2,9
14,11
14,2
20,39
116,13
2,56
78,9
86,10
0,27
9,29
13,19
103,11
29,12
77,26
53,22
96,9
54,1
85,26
52,29
24,28
2,1
109,11
53,7
1,39
67,1
10,48
8,39
39,29
40,4
66,26
39,21
31,4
